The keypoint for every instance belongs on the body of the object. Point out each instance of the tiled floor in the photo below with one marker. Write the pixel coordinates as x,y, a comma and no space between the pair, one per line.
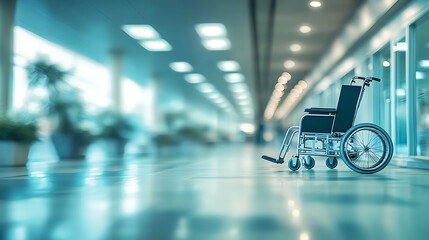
217,193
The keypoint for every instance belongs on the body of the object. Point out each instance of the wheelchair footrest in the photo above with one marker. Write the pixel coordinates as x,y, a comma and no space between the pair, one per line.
271,159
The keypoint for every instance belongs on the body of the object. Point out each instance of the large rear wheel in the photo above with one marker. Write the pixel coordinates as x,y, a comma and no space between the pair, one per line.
366,148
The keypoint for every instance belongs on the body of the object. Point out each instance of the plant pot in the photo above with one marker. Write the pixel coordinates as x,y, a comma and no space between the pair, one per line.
114,147
13,153
68,146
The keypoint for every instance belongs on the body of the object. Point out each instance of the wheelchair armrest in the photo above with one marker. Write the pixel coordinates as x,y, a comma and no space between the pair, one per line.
321,110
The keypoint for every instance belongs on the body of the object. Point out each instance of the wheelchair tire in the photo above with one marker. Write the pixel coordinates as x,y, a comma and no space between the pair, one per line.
334,163
294,167
311,160
366,148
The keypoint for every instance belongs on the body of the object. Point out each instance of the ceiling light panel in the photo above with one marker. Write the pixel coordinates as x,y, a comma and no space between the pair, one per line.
156,45
210,30
216,44
295,47
181,66
205,88
315,4
234,77
140,32
289,64
194,78
228,66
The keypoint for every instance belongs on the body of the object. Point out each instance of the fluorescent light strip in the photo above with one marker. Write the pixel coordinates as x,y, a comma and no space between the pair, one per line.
216,44
156,45
140,32
181,66
234,77
194,78
238,87
205,88
209,30
228,66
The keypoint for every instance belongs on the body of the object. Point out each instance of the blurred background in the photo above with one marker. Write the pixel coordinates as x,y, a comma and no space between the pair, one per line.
145,74
169,83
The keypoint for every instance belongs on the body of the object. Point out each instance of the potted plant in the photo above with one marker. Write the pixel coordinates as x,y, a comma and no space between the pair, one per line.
116,132
15,141
64,109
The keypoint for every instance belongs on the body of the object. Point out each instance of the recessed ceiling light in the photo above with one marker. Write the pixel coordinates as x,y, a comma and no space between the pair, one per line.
305,29
205,88
194,78
315,4
228,66
279,87
303,83
216,44
156,45
282,80
181,66
295,47
234,77
140,31
289,64
386,64
209,30
287,75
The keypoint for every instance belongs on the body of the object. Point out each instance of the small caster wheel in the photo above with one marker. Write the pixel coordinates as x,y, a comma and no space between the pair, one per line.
331,162
293,166
308,162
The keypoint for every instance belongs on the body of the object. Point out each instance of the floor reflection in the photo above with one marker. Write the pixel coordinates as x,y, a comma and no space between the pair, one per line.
223,192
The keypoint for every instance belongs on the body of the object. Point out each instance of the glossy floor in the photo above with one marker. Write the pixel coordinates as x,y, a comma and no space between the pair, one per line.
215,193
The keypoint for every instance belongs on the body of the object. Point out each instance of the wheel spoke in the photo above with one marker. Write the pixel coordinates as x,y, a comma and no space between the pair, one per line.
372,139
377,158
376,142
359,140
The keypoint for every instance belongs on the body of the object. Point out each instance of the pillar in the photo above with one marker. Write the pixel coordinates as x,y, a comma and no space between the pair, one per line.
7,15
116,70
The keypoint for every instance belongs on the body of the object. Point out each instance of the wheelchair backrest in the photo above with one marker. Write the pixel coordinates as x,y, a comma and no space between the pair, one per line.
346,108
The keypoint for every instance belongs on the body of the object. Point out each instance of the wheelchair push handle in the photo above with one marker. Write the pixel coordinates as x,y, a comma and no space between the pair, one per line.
367,80
374,79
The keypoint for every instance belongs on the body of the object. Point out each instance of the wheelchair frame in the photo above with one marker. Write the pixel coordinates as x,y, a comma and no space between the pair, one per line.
327,144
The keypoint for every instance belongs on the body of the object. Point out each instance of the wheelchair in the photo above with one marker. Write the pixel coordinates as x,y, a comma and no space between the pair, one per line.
329,132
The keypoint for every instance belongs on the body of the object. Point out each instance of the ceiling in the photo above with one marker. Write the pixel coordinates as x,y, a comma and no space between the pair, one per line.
260,31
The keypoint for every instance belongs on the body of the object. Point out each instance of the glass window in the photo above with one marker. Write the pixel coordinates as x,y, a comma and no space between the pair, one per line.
89,77
422,86
399,50
366,107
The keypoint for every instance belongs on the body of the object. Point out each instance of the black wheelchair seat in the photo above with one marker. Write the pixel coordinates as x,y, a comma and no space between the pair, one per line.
331,120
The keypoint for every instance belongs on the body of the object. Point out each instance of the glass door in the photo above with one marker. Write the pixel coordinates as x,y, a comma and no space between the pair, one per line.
399,51
382,96
421,97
